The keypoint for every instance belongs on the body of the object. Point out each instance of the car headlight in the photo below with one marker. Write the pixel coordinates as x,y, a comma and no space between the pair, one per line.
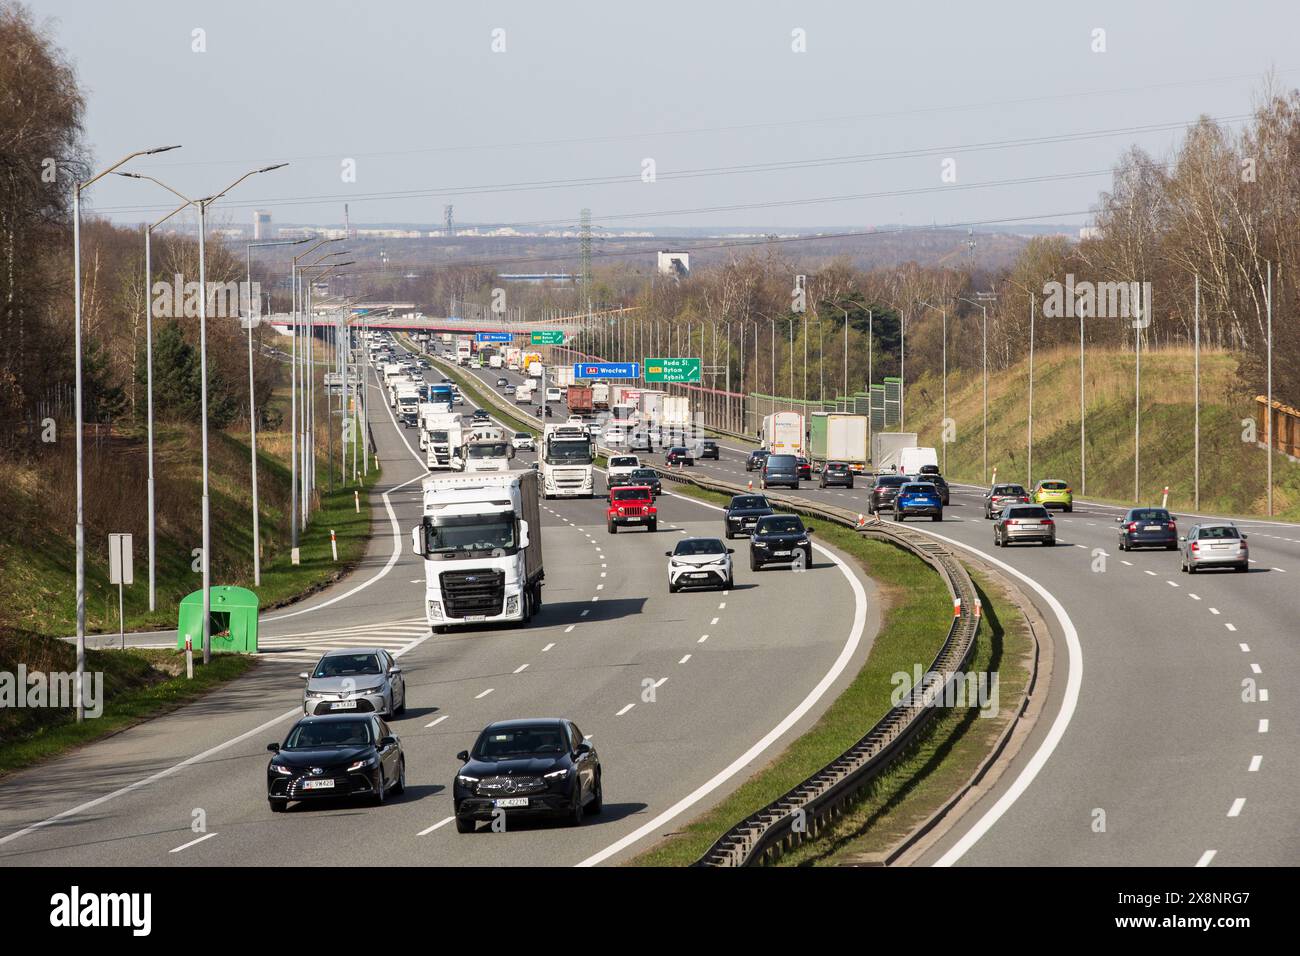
466,781
288,772
314,694
435,610
512,603
363,764
760,544
802,541
556,774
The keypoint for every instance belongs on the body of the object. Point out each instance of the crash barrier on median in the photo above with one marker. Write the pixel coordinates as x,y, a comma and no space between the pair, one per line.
233,615
803,812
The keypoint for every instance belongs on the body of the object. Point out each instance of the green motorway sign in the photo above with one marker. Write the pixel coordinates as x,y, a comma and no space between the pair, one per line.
555,337
672,370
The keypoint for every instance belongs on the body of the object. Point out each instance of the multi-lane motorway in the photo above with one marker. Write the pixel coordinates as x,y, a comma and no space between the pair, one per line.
683,695
1168,734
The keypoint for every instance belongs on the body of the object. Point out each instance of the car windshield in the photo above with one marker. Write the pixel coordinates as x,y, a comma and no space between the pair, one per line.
700,546
347,665
523,435
488,449
1008,490
1149,514
1053,486
533,740
645,474
784,524
760,453
630,494
1218,531
835,466
568,450
471,533
328,734
623,462
917,489
749,501
780,461
1031,512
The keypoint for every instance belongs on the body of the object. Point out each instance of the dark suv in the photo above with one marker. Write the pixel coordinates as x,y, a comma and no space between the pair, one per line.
781,470
743,513
883,492
709,449
936,479
836,473
756,458
780,539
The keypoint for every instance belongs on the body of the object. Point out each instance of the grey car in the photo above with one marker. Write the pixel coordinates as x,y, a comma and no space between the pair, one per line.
1024,523
355,680
1214,545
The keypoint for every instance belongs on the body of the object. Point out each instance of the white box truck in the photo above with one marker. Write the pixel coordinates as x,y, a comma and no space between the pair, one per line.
783,433
481,541
565,461
886,448
408,404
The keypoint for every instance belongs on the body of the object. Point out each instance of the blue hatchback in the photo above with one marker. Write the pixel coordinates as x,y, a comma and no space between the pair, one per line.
918,498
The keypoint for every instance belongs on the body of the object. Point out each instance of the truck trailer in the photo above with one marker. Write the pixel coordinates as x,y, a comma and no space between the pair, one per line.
840,437
886,448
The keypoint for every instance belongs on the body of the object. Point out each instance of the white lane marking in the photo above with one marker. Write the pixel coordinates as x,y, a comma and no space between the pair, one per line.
722,605
1206,857
1172,584
1283,570
484,694
1194,597
1263,695
1145,571
600,587
1229,625
1245,648
521,668
1255,761
661,681
295,711
186,846
745,759
570,628
1263,727
713,622
441,823
552,644
436,721
684,659
603,573
703,638
1256,669
1235,809
625,710
1129,563
1214,610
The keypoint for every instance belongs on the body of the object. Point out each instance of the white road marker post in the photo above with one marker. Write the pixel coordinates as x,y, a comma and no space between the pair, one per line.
356,501
1164,501
334,545
189,659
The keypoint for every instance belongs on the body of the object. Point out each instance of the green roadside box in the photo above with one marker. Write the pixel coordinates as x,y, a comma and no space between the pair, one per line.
234,620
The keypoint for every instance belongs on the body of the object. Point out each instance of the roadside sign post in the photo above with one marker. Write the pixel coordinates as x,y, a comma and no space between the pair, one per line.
548,337
674,370
120,572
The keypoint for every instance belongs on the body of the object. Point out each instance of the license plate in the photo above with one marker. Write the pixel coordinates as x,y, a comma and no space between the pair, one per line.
511,802
318,785
699,575
476,617
1152,527
631,519
781,554
1032,527
344,705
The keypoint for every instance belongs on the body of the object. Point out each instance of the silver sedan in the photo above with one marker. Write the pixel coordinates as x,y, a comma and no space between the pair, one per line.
1215,545
357,680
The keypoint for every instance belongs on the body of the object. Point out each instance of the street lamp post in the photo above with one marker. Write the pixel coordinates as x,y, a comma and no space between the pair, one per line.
984,350
81,512
943,425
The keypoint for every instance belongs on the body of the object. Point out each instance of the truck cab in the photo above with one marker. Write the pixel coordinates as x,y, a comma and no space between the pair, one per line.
488,454
565,461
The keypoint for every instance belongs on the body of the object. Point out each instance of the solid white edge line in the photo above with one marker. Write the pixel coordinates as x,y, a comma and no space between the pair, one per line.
744,760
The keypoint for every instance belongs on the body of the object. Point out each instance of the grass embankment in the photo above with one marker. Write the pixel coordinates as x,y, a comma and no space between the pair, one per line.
1232,469
37,544
915,621
137,684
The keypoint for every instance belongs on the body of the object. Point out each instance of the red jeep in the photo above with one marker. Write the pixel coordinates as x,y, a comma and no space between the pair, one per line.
631,504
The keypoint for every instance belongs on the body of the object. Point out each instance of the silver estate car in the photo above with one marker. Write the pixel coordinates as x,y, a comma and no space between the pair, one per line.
1214,545
355,680
1024,523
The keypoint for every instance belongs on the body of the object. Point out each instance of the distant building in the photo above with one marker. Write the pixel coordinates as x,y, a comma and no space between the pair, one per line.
262,228
676,264
1090,232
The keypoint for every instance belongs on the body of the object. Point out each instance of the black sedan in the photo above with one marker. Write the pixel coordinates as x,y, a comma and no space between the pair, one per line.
338,755
647,477
680,454
836,473
709,449
480,415
742,514
805,468
936,479
756,459
780,539
1147,528
539,767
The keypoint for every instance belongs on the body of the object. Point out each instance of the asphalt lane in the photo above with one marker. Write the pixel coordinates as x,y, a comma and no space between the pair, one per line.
706,675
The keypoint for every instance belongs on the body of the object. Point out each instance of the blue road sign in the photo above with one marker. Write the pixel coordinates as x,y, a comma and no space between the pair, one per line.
483,337
607,370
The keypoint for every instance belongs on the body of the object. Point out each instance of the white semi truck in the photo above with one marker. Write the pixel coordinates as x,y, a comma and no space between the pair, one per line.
442,437
783,433
481,540
565,461
408,403
487,451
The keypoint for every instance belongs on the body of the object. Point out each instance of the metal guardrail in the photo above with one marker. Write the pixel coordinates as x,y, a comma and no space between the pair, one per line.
804,811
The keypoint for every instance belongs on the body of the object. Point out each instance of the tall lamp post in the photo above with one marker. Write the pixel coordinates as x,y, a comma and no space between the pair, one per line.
81,512
202,206
980,302
943,425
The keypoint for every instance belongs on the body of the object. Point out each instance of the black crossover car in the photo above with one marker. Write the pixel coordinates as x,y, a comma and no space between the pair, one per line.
648,477
539,767
709,449
680,454
338,755
836,473
883,492
756,458
780,539
781,470
934,478
742,514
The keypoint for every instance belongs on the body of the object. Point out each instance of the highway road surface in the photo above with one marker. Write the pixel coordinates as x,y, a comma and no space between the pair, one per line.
1168,738
735,675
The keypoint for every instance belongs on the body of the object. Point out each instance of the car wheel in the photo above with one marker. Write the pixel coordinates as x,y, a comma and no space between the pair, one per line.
653,525
1050,542
938,517
278,806
849,486
1182,566
613,528
1171,547
1191,568
401,709
1243,567
597,798
399,787
466,824
1069,509
382,793
753,565
731,583
672,588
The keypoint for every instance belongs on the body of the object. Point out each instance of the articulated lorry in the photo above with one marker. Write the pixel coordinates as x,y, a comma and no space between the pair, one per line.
442,436
839,437
887,447
408,404
565,461
481,540
487,449
578,398
464,349
783,433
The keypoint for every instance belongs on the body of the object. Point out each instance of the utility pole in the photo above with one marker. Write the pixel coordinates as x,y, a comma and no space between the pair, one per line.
1029,463
1196,403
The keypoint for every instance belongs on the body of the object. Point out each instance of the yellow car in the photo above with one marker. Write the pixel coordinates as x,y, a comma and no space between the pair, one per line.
1053,494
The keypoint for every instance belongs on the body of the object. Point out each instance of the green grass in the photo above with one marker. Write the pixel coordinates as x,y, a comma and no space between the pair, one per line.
913,628
138,684
940,762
